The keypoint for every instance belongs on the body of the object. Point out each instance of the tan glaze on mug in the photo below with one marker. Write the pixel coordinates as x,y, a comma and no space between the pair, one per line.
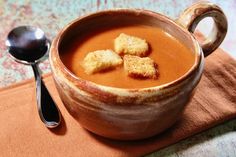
131,114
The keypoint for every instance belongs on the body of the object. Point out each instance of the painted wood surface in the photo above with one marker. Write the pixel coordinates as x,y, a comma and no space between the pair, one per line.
52,15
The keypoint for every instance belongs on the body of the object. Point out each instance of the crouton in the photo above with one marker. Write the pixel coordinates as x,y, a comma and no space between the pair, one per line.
101,60
126,44
138,67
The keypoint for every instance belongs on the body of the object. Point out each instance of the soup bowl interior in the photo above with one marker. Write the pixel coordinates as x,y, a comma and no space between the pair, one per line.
124,114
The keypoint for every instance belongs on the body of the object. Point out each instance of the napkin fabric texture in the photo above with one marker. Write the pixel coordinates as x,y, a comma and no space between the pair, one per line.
23,134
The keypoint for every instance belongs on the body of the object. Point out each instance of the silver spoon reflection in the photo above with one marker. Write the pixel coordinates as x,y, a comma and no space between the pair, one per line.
28,45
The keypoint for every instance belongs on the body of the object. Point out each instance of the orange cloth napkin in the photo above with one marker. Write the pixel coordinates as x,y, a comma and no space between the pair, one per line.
23,134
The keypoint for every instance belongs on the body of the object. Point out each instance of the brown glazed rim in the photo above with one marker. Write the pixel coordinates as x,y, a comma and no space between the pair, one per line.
75,79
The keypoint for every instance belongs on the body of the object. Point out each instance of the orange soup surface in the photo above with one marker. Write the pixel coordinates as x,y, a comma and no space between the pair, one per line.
173,58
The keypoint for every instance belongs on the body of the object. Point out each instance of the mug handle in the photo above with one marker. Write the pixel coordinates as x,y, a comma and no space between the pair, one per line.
190,18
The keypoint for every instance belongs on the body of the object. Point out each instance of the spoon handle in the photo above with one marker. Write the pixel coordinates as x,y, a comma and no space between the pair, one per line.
48,111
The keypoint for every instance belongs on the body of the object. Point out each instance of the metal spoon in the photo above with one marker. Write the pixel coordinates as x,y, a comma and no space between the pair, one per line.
28,45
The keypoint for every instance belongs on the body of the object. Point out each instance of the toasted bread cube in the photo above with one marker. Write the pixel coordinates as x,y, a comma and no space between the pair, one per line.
101,60
138,67
126,44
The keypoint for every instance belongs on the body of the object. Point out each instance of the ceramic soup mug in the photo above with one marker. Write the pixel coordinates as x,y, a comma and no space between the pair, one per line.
130,114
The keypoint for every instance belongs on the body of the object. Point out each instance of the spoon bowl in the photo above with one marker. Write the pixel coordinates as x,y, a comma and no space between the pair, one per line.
27,45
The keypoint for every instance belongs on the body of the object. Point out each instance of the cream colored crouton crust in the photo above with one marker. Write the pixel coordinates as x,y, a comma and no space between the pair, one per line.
101,60
126,44
138,67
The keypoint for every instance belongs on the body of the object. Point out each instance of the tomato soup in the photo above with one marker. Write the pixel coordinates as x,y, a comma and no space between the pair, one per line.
173,58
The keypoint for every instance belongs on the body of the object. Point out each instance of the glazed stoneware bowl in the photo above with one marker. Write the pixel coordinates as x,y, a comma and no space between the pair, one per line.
131,114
